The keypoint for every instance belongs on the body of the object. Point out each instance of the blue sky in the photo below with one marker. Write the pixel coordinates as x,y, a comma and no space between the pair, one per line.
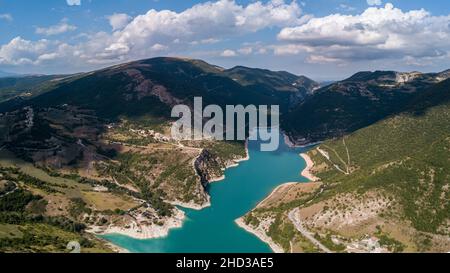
323,39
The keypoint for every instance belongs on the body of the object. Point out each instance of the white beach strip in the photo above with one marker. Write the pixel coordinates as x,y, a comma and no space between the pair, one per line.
291,144
191,205
142,231
261,235
116,248
307,171
217,179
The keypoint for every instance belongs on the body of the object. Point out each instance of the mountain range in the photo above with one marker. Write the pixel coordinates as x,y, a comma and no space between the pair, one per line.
356,102
309,113
7,74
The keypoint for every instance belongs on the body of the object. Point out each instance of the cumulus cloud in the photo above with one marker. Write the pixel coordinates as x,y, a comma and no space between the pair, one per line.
6,16
289,49
20,52
374,2
246,50
60,28
228,53
157,32
73,2
346,7
205,22
118,20
377,33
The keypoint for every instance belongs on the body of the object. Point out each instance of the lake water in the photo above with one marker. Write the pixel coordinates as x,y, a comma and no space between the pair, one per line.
213,230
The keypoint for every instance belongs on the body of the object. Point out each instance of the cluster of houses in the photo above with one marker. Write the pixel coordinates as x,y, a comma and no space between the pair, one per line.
369,244
151,133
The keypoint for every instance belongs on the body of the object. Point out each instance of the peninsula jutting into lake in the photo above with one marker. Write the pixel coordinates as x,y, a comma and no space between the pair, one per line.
213,229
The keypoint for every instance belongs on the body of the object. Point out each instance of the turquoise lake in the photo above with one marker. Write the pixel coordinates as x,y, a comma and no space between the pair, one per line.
213,230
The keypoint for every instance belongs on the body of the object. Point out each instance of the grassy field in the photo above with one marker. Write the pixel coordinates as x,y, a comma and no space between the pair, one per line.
44,238
103,201
406,156
59,202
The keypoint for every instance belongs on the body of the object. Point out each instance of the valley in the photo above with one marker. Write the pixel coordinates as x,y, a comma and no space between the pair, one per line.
89,157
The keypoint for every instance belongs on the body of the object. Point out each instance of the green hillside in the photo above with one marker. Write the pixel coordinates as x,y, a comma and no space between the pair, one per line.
407,155
387,184
152,86
24,86
280,80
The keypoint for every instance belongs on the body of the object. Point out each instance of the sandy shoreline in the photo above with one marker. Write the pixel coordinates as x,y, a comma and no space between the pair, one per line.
217,179
260,234
191,205
113,247
141,231
307,171
275,191
289,143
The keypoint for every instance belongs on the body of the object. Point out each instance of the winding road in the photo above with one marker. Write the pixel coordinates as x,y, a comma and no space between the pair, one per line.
298,225
10,192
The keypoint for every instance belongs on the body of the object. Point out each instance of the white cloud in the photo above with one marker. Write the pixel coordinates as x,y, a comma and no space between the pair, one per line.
6,16
374,2
203,23
319,59
159,47
73,2
289,49
346,7
60,28
386,36
204,41
228,53
20,52
118,20
246,50
149,34
377,33
210,20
